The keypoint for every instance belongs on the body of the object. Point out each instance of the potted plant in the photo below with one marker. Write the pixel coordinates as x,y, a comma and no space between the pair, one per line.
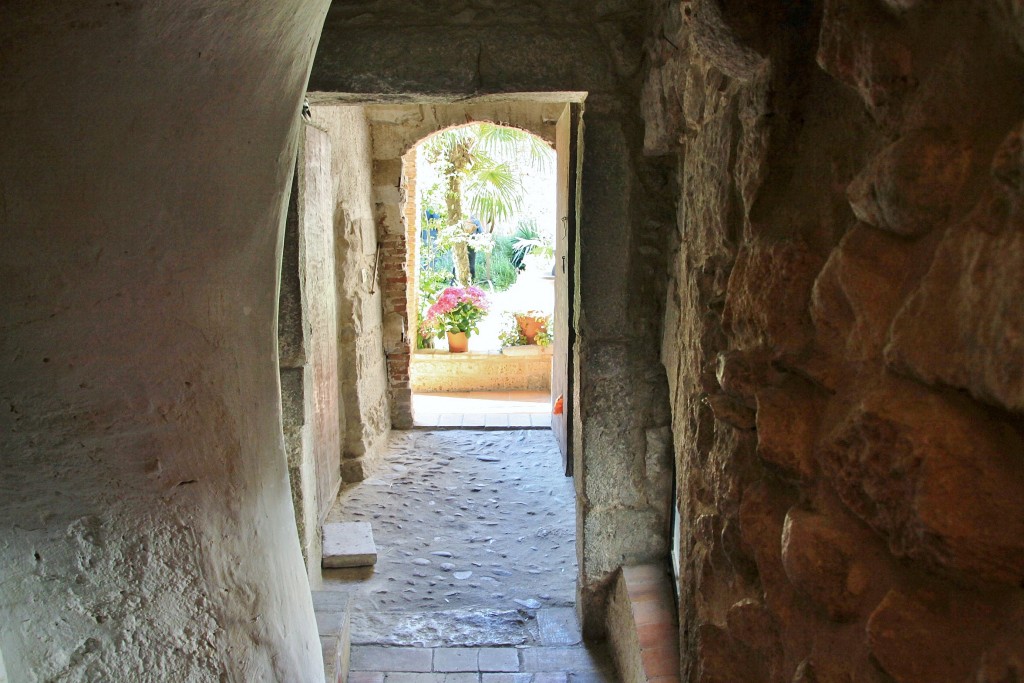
457,313
531,323
526,328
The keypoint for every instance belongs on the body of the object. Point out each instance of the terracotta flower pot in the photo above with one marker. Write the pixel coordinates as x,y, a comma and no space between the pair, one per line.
458,342
529,326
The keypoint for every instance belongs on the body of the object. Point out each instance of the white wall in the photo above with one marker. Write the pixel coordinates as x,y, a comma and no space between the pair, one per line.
147,528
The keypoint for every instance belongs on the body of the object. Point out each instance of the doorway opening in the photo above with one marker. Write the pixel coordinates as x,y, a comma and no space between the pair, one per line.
476,529
481,263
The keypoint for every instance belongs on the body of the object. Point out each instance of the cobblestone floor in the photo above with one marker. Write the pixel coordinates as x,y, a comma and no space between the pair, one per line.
476,570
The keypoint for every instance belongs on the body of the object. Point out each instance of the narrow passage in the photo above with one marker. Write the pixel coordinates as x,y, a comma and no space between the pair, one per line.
476,569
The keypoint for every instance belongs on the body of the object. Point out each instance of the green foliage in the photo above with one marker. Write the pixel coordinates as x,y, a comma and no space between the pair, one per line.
510,334
501,270
546,334
529,242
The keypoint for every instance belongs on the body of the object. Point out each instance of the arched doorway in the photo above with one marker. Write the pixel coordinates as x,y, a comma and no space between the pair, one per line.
488,271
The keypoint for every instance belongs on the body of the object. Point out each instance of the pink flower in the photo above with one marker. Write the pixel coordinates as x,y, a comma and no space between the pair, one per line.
458,309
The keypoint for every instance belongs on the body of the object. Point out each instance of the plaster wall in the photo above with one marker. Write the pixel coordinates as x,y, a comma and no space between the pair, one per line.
364,386
147,526
843,336
391,53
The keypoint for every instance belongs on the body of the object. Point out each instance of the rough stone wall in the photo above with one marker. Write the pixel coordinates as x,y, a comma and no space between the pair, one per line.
397,50
364,385
147,531
843,336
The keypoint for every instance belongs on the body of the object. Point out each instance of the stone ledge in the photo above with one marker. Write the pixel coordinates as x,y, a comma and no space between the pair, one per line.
643,627
437,370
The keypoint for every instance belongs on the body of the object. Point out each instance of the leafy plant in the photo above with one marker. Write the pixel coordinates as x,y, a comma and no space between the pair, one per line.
546,335
510,333
458,309
501,271
478,181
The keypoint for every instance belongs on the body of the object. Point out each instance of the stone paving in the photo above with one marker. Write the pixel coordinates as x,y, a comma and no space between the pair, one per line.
482,409
476,570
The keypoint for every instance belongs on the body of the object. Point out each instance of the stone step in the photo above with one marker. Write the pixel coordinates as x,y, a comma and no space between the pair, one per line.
333,610
348,544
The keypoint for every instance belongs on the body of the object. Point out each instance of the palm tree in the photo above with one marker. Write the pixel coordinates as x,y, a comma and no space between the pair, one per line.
478,175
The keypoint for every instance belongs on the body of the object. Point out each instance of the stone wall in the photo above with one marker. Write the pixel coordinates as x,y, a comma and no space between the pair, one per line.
844,337
526,369
308,347
364,385
397,51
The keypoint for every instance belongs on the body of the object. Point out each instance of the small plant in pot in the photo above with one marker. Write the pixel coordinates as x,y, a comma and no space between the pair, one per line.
457,313
526,328
531,323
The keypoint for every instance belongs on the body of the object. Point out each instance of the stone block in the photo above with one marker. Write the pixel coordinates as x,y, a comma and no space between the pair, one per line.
615,537
787,424
558,626
498,659
731,411
349,544
391,659
1008,161
855,297
861,45
722,659
371,60
741,373
764,275
939,478
753,624
761,516
455,659
822,562
923,637
910,187
964,325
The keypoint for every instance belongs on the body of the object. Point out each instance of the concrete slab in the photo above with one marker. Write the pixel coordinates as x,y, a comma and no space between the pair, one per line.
349,544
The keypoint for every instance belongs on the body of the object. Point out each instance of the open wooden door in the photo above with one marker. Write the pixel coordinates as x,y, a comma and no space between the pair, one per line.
566,148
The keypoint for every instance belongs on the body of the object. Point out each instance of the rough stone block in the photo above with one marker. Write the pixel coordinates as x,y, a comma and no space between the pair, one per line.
752,624
822,561
349,544
1008,162
964,325
854,300
939,478
924,638
722,659
911,185
764,275
371,60
860,44
787,423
